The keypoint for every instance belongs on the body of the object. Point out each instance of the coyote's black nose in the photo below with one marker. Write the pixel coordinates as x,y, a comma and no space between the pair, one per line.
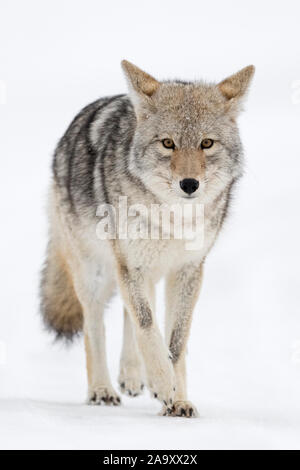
189,185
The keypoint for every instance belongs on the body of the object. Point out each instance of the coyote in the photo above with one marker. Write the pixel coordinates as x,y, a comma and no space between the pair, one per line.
166,142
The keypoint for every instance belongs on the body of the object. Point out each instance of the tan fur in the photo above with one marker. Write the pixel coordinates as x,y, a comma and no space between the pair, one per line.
188,164
141,81
236,85
62,310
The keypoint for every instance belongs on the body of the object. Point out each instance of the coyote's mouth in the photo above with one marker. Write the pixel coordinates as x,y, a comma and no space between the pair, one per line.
189,197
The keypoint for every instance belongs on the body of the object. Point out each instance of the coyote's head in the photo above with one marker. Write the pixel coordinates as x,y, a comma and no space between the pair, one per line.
186,142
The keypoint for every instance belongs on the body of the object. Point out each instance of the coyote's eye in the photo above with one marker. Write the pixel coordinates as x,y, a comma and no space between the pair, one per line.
207,143
168,143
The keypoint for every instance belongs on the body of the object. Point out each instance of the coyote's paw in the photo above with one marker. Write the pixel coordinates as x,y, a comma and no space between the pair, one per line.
103,395
182,408
161,383
130,379
131,386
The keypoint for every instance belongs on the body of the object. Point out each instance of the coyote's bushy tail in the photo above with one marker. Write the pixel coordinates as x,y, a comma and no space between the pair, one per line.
60,306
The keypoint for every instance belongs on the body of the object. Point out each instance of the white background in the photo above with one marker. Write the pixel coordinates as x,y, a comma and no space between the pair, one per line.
244,351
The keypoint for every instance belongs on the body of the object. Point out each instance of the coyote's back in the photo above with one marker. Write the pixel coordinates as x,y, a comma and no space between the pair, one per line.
84,172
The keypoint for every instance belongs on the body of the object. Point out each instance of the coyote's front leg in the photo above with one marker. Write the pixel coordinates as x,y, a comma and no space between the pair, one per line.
135,290
94,287
182,289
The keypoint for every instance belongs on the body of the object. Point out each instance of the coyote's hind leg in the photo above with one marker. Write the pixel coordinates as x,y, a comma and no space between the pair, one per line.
131,378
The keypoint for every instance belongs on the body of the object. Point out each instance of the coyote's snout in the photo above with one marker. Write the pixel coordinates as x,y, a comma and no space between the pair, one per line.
188,170
165,143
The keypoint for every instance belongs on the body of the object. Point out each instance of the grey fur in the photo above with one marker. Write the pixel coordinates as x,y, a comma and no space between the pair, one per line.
115,147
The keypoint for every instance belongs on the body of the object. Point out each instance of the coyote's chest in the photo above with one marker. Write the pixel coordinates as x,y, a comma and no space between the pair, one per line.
157,257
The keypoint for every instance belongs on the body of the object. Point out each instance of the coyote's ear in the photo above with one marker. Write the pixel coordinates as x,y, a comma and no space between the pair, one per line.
141,85
235,87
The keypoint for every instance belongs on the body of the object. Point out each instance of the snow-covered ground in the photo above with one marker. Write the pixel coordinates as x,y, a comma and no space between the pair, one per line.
244,350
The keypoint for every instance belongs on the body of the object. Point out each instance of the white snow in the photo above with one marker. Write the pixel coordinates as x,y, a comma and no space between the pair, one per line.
244,350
